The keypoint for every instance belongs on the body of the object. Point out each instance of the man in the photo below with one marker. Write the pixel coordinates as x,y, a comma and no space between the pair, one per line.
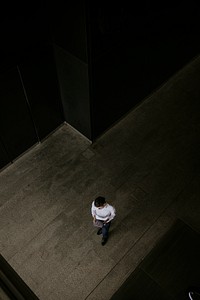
103,213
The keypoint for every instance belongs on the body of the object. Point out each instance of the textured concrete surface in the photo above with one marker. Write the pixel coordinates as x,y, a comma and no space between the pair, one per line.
147,166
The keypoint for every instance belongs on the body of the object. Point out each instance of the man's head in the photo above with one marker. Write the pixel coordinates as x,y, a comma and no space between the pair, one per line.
99,201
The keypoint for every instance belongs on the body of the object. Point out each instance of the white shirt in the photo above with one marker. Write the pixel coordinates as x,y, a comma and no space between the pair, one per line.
106,213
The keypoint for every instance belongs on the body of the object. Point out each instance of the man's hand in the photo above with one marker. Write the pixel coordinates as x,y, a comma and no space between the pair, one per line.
106,221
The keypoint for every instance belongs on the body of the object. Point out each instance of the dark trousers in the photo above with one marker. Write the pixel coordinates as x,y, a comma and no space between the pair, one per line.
105,228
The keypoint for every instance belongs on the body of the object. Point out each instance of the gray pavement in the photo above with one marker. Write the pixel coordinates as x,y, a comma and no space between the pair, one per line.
147,166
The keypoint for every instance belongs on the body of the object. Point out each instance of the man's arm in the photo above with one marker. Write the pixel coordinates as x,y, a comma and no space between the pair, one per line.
112,214
93,212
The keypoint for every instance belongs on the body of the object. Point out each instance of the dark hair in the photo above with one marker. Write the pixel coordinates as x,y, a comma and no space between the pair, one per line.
99,201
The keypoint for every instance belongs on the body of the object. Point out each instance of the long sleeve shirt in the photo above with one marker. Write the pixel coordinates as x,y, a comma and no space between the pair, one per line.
107,213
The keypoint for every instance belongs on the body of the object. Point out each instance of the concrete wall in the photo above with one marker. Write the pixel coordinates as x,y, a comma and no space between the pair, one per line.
30,106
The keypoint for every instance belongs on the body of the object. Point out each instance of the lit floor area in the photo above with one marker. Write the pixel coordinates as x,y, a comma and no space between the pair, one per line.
147,166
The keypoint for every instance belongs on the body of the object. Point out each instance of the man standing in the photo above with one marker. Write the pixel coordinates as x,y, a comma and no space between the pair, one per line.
102,213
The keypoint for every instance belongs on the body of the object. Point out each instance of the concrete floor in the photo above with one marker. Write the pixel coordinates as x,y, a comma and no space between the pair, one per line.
147,166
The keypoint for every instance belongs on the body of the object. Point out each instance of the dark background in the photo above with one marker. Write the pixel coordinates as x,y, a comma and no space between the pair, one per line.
85,63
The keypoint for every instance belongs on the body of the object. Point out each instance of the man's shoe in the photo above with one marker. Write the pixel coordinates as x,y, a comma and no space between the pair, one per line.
99,231
103,242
